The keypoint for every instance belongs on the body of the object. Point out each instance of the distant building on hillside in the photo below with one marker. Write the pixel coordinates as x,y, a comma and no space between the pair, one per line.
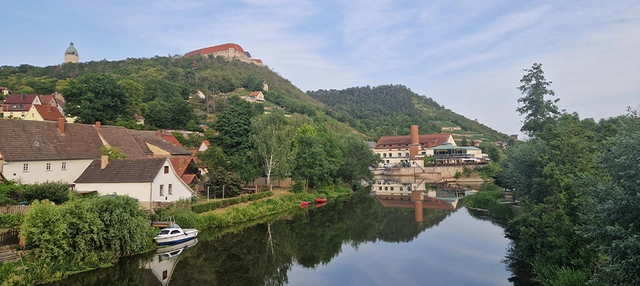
228,51
71,55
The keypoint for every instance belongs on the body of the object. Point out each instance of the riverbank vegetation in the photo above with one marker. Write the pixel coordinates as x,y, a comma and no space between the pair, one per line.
577,181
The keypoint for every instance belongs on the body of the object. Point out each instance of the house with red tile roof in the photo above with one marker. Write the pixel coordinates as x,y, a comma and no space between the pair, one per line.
17,105
255,96
4,90
151,181
43,113
228,51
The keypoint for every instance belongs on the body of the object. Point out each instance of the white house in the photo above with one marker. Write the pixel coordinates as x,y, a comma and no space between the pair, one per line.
36,152
151,181
409,150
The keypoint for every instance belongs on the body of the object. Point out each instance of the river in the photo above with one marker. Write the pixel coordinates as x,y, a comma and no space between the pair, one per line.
363,240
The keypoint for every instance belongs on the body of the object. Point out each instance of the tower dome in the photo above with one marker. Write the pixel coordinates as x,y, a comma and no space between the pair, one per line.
71,54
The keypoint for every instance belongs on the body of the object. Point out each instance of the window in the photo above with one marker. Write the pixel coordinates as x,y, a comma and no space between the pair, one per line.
166,169
25,167
399,154
162,190
392,188
48,167
384,155
379,188
64,166
170,189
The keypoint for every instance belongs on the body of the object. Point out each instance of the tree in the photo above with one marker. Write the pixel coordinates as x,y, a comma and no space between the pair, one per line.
95,97
537,109
317,157
358,158
272,140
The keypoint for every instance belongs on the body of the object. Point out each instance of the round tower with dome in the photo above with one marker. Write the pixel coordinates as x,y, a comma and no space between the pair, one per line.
71,55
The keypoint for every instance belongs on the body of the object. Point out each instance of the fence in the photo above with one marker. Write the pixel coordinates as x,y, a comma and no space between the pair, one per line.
9,237
14,209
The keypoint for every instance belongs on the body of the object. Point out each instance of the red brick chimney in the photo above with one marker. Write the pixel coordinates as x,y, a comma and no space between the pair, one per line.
415,141
97,124
61,125
159,133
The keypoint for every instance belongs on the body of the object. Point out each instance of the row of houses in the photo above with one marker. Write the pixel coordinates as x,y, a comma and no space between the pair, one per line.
157,169
34,107
410,150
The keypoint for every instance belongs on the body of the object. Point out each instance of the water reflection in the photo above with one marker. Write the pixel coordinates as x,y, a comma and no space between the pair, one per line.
272,252
165,260
419,194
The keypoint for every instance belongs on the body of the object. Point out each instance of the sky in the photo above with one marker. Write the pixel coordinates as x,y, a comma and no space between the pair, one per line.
468,56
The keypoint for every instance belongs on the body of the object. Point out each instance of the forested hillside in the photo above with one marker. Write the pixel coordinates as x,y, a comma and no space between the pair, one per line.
392,109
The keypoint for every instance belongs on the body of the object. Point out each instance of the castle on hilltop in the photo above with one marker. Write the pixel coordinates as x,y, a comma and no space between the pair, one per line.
228,51
71,55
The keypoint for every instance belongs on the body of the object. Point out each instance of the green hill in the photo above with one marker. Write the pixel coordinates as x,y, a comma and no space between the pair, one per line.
392,109
162,89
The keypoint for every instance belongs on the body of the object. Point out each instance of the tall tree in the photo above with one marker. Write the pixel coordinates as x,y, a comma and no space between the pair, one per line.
95,97
272,136
535,88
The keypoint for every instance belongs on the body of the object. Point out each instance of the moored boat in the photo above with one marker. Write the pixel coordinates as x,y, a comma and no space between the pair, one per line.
174,234
304,204
321,200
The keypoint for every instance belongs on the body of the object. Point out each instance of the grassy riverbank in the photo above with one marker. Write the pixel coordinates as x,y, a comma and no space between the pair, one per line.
55,254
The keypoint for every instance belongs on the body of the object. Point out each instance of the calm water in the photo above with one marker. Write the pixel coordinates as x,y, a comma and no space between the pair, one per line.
353,242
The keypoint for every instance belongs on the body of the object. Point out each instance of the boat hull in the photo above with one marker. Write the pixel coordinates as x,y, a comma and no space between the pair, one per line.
185,236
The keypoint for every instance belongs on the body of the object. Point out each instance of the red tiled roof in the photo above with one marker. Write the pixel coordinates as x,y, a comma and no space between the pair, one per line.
188,178
20,99
49,113
214,49
180,164
431,140
206,143
172,139
45,99
255,93
258,60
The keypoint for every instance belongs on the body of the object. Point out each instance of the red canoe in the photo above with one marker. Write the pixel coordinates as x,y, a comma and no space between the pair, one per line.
320,200
304,204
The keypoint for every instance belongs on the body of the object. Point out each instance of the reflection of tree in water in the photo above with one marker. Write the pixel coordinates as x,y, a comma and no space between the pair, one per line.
263,254
128,272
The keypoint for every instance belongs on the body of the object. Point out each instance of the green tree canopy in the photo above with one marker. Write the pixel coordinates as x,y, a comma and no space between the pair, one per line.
535,106
95,97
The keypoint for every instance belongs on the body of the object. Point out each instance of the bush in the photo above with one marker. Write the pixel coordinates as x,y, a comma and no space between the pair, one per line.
55,192
205,207
10,220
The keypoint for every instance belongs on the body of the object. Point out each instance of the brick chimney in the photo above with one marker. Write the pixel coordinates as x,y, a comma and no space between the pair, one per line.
159,133
97,124
61,125
104,161
414,148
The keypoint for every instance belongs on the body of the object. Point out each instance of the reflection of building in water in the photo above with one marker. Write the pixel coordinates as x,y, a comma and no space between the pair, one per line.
165,260
418,195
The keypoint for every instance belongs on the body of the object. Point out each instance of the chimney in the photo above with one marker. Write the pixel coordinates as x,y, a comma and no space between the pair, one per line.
159,133
98,125
22,96
415,141
104,161
61,125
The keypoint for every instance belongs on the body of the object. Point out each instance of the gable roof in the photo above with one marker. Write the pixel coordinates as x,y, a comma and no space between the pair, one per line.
46,99
48,112
430,140
215,49
24,140
121,138
122,171
172,140
255,93
20,98
151,137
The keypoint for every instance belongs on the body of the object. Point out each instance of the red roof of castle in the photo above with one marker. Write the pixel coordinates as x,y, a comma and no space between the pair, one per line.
48,112
215,49
257,60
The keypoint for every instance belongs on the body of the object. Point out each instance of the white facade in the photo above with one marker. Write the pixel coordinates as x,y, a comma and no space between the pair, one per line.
396,157
165,187
33,172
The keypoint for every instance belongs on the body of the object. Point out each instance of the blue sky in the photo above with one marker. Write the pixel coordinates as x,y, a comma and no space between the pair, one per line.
467,55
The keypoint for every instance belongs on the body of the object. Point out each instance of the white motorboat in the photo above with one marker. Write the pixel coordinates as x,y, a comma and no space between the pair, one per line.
174,234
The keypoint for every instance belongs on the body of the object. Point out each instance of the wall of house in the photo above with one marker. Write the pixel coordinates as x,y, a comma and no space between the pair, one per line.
33,114
179,190
38,172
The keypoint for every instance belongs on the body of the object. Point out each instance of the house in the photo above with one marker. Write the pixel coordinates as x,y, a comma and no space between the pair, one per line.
139,119
227,51
17,105
409,150
4,90
43,113
255,96
35,152
152,181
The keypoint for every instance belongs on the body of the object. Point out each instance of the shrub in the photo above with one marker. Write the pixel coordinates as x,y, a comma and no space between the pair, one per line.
10,220
55,192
